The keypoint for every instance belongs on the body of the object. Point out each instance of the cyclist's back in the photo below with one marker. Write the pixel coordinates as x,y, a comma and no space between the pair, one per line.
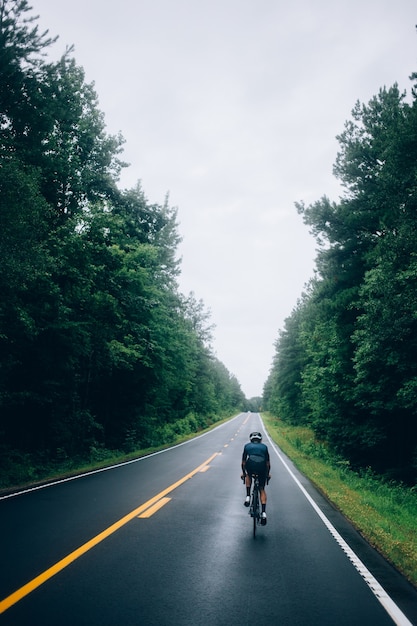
256,456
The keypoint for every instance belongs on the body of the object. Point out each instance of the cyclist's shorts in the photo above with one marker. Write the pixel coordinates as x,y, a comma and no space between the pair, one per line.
256,468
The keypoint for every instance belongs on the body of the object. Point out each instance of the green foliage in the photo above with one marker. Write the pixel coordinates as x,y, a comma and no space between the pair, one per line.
346,362
281,392
254,405
99,350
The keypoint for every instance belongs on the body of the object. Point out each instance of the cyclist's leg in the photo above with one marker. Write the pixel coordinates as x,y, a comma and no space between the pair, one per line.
263,498
248,479
248,483
262,481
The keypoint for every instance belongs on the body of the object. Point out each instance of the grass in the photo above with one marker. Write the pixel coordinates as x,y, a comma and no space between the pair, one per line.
385,513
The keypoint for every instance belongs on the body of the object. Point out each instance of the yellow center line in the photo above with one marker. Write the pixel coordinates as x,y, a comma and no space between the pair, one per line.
153,509
33,584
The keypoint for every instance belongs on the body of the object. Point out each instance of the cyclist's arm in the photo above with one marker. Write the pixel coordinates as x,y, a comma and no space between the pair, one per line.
244,457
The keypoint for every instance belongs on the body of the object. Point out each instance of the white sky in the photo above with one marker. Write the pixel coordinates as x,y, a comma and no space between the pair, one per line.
232,107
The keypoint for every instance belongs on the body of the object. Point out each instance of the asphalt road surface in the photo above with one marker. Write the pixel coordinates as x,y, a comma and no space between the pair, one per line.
166,540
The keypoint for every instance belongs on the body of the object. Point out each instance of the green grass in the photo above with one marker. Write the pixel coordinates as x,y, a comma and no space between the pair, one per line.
385,513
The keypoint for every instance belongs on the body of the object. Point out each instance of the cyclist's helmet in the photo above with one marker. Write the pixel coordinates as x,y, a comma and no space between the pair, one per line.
255,437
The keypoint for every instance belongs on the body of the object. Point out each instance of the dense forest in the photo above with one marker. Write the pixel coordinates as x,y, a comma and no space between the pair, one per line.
346,360
99,349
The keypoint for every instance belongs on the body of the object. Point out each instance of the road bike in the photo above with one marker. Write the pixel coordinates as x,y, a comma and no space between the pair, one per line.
255,503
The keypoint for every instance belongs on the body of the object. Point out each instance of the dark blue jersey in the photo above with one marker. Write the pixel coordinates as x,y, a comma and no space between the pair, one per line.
256,452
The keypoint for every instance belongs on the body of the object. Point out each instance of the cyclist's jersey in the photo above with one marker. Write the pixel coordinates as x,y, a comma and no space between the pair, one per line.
255,456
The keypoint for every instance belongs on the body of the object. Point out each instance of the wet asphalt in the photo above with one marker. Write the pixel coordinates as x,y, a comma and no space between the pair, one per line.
194,561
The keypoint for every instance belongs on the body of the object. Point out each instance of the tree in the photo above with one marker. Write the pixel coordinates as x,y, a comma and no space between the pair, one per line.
21,51
282,392
99,348
357,376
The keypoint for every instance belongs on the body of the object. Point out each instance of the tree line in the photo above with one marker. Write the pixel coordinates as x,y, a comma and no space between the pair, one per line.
346,360
99,349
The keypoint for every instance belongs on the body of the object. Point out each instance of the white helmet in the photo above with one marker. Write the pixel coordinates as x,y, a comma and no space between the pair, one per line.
255,436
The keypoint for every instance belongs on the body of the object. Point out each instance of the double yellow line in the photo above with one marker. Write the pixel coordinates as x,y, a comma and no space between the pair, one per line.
145,510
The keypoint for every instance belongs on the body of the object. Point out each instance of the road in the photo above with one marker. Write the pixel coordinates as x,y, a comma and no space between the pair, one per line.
167,541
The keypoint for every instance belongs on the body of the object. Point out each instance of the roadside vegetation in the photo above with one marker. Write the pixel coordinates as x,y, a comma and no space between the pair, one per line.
346,360
24,470
384,512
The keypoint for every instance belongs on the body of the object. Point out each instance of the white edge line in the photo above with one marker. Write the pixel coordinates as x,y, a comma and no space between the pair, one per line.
379,592
110,467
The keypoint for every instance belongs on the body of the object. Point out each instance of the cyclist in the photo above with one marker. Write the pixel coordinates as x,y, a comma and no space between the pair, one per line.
255,460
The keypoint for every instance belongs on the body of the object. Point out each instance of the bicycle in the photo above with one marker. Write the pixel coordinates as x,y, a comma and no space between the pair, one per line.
255,503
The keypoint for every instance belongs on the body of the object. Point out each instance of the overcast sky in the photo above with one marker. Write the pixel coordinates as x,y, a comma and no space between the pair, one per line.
233,107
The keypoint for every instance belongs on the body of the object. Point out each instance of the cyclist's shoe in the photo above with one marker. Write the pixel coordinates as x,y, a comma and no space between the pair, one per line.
263,519
247,501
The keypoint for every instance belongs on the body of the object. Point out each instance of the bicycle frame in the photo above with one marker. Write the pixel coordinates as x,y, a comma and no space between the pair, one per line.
255,503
